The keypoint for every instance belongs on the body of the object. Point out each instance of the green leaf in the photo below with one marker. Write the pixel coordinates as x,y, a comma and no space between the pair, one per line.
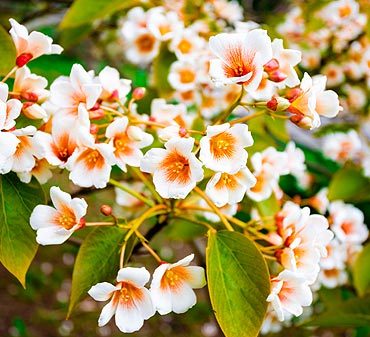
161,69
17,239
354,312
268,207
238,282
8,52
97,261
361,271
71,36
349,184
83,11
183,230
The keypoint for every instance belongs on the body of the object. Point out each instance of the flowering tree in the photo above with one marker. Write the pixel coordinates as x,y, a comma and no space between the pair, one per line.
209,146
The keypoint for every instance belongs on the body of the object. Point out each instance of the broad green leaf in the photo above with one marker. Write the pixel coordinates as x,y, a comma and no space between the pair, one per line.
238,283
268,207
183,230
97,261
354,312
349,184
8,52
161,69
17,239
84,11
361,271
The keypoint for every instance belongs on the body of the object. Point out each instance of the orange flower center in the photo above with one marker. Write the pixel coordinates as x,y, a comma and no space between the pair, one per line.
145,43
226,180
174,278
176,167
128,294
184,46
91,159
186,76
222,145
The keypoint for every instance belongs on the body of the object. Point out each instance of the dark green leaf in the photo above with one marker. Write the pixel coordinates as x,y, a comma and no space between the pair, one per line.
8,52
17,239
349,184
97,261
361,271
238,282
84,11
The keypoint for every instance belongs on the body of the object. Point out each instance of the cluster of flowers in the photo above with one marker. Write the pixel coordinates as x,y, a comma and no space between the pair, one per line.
246,56
87,124
317,251
338,47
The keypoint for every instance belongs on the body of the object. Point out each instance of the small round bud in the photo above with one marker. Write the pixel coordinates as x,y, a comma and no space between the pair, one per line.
182,132
94,129
272,104
277,76
82,223
271,65
106,210
138,93
23,59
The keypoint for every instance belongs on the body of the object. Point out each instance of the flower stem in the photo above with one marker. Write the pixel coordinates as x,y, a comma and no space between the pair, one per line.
214,207
223,117
247,118
10,73
91,224
135,194
147,247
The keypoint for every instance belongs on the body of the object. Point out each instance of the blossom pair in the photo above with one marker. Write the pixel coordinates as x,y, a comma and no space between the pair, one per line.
131,303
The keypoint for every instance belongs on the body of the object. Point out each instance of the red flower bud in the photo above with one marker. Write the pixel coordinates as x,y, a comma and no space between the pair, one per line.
114,96
138,93
30,96
271,65
272,104
106,210
277,76
23,59
96,114
292,94
82,223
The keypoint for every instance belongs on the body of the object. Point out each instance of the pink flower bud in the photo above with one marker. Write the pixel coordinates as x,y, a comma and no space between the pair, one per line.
182,132
271,65
30,96
96,114
138,93
277,76
94,129
272,104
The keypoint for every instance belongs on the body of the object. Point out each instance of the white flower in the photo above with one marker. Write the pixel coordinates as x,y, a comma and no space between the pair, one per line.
68,92
348,223
31,46
114,88
186,44
29,86
287,59
332,278
8,147
320,201
41,171
23,159
56,225
175,169
130,301
183,75
168,114
222,149
289,293
334,73
240,58
127,141
295,160
9,109
225,188
312,101
342,146
172,286
91,165
337,255
163,25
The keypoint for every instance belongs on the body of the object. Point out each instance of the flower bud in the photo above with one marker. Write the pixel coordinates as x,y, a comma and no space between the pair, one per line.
278,104
106,210
96,114
33,111
277,76
271,65
138,93
182,132
30,96
94,129
23,59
